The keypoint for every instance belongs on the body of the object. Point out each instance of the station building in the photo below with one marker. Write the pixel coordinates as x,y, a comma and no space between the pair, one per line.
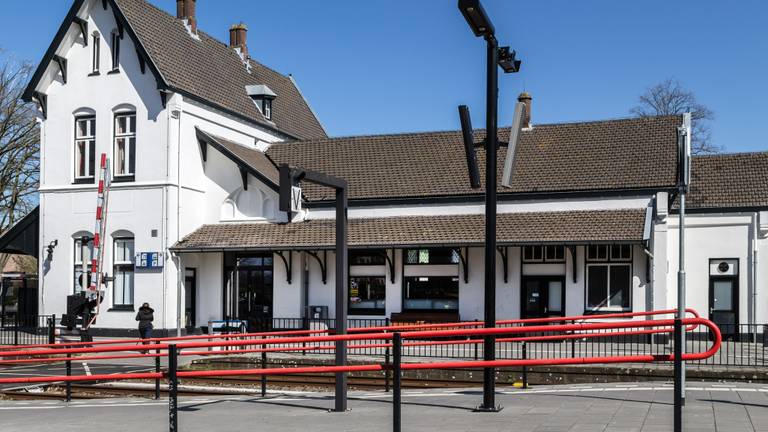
195,128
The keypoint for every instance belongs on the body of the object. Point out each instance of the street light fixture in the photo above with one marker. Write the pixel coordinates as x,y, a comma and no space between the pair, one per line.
481,26
476,17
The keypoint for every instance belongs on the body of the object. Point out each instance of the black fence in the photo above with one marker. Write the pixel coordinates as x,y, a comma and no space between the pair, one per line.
18,329
743,345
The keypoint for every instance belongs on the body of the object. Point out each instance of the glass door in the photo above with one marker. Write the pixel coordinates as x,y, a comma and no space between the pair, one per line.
254,291
542,296
724,304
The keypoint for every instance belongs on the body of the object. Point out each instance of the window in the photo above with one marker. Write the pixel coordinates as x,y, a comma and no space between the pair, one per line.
115,50
544,254
609,281
366,257
432,256
125,144
266,108
85,146
431,293
123,260
77,285
96,52
366,295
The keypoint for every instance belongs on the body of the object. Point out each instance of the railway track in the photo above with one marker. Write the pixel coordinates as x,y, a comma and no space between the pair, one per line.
234,385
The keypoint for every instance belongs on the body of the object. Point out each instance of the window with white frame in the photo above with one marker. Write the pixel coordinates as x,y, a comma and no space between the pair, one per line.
266,108
115,50
85,147
125,145
96,40
551,253
79,251
609,277
123,266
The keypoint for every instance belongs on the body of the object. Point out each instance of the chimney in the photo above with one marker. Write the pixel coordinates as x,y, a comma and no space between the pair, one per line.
185,10
238,38
528,101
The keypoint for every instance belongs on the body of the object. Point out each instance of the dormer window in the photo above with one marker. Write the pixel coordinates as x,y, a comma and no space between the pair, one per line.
262,96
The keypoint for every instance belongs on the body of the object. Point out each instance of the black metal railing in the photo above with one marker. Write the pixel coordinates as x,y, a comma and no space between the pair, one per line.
743,345
19,329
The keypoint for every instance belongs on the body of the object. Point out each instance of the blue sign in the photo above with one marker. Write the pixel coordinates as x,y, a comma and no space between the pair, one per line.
149,260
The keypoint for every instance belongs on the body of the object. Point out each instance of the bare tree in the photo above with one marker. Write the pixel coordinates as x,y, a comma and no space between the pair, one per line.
19,146
668,98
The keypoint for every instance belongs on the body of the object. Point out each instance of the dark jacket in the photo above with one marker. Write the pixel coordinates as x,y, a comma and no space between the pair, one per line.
145,317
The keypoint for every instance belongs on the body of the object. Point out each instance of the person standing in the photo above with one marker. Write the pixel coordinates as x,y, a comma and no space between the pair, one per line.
145,316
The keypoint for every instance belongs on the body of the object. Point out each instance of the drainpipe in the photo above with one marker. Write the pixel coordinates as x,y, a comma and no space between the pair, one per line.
753,287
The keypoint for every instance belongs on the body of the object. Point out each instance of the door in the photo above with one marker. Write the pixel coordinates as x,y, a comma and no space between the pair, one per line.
724,304
542,296
190,297
254,292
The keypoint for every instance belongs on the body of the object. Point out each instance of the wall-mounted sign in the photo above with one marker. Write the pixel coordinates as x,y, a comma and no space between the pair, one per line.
149,260
295,199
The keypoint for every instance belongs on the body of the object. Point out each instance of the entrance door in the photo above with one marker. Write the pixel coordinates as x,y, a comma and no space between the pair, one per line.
190,297
542,296
724,303
254,291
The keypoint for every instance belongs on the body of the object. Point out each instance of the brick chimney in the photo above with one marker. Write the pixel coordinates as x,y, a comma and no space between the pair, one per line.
238,38
185,10
528,101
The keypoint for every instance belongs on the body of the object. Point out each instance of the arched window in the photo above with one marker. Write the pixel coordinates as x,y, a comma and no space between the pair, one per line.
82,252
85,145
123,262
124,140
96,40
115,50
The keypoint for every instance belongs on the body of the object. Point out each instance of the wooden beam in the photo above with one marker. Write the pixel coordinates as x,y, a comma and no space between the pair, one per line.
83,24
62,62
244,177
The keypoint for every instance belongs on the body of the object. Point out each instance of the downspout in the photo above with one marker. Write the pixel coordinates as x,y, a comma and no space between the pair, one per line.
753,287
179,280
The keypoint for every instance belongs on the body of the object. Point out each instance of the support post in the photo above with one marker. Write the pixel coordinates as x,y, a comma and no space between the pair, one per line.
525,368
678,377
263,376
491,146
68,391
157,370
397,344
52,329
173,388
341,296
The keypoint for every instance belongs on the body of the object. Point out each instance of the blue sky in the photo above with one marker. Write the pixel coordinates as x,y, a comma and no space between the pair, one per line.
379,66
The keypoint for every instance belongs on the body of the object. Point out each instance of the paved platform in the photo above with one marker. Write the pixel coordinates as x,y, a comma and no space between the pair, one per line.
643,407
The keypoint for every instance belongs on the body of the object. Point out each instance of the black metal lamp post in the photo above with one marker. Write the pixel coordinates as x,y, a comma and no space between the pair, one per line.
288,177
497,57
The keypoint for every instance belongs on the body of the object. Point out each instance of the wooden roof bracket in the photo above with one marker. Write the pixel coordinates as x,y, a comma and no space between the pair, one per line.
288,264
323,264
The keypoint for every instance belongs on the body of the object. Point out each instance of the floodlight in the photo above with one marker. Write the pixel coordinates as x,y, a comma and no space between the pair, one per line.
507,60
476,17
469,146
514,139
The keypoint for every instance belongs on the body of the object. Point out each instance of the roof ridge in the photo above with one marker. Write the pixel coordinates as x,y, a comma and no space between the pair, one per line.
733,154
476,130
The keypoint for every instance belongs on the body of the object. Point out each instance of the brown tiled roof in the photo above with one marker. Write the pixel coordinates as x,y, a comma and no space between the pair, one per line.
729,180
454,230
212,71
258,162
634,153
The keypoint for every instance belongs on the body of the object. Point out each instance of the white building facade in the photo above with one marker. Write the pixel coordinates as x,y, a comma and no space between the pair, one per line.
194,130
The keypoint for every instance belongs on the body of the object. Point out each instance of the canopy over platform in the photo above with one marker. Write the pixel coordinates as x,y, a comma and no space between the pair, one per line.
559,227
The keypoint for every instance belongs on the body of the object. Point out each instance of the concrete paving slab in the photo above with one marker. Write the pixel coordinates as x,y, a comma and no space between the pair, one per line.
740,407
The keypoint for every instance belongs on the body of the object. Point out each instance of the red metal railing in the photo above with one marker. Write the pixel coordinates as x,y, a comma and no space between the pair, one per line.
585,330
